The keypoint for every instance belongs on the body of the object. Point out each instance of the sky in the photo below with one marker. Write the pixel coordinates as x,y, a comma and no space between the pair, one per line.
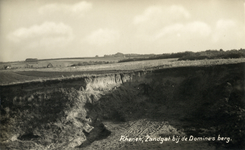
74,28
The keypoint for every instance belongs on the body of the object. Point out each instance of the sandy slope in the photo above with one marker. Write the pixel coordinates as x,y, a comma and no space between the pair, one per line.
95,112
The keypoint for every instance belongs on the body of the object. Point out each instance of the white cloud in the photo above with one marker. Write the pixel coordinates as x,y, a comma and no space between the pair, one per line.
224,24
186,31
46,34
169,31
78,8
148,15
103,37
225,30
199,28
157,16
169,23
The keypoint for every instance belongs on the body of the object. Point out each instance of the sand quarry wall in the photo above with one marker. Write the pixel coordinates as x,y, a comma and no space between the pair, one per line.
70,113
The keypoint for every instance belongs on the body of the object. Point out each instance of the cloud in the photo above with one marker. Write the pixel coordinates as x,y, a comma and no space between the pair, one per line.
225,30
46,34
195,29
103,36
169,30
169,23
78,8
156,16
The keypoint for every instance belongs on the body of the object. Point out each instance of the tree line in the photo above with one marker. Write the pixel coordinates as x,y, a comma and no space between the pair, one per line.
188,55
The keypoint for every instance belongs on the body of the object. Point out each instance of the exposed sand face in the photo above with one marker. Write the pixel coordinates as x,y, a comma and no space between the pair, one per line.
179,108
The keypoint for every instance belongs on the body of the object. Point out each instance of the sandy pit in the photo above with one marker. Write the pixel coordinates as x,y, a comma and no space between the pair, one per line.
173,108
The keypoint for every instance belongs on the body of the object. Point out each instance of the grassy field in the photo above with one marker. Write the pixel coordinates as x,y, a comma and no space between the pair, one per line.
58,62
14,76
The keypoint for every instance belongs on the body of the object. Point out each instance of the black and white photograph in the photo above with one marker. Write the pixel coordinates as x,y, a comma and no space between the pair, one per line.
122,74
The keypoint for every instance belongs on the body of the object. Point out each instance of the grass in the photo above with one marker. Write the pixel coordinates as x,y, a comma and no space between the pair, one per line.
16,76
57,62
